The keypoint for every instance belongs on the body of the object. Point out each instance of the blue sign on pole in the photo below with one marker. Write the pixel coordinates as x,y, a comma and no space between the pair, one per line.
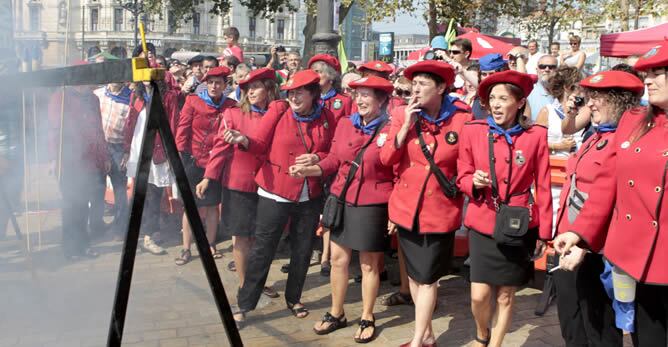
385,46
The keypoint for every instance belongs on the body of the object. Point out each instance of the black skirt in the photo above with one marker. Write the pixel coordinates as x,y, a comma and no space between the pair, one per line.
239,212
428,256
498,265
364,228
195,174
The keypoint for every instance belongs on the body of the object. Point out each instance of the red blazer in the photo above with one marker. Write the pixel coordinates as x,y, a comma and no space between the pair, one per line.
594,166
340,105
372,184
83,138
416,192
170,104
235,168
529,147
278,137
198,126
638,239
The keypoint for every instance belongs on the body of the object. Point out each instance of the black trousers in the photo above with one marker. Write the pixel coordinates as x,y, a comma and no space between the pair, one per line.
272,217
119,182
585,311
150,219
651,316
78,190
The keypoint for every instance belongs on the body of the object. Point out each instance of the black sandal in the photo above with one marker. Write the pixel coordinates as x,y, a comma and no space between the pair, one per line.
296,311
334,323
484,342
397,298
241,322
184,258
364,324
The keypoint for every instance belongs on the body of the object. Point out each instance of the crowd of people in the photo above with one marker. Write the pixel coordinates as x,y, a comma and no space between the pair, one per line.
370,157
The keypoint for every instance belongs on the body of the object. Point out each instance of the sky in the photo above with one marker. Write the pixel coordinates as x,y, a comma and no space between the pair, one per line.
404,24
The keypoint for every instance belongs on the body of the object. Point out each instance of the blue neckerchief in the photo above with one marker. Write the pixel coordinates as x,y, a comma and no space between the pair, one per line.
122,98
310,118
368,129
237,93
257,109
204,95
558,109
330,94
448,108
605,128
497,130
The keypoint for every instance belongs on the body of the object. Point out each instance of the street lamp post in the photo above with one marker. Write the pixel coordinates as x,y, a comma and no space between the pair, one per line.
325,39
135,7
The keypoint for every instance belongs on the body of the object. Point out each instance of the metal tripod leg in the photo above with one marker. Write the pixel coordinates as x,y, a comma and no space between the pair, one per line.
157,121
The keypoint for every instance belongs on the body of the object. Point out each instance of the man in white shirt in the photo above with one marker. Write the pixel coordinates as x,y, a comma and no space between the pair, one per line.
534,55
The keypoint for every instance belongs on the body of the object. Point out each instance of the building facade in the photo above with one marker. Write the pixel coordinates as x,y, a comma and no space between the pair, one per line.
58,32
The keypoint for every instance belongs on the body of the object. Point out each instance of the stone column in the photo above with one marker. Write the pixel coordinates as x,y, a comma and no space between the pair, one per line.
325,39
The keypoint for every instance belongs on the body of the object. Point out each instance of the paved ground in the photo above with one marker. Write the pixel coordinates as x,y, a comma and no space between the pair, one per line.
51,302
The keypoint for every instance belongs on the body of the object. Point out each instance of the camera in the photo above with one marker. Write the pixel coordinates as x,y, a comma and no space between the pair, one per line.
431,55
579,101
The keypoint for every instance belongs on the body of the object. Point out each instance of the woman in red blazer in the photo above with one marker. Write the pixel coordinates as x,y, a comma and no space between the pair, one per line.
585,311
521,160
236,168
425,217
636,243
198,125
364,226
291,134
383,70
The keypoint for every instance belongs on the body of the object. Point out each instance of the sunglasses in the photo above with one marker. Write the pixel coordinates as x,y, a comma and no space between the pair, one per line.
455,52
402,92
546,66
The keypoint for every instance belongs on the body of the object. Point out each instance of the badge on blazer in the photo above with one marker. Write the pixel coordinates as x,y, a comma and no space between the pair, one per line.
325,125
338,104
519,158
601,144
625,144
381,139
451,137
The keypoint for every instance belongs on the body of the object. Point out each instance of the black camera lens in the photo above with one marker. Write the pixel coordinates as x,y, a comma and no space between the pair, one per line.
579,101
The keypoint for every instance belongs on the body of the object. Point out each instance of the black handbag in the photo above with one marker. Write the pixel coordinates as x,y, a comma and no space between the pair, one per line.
332,213
512,222
448,186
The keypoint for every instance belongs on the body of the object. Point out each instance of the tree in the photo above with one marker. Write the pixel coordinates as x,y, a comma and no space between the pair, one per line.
463,11
625,10
552,14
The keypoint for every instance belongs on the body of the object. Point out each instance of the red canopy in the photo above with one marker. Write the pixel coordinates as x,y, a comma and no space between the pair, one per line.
484,44
417,54
635,42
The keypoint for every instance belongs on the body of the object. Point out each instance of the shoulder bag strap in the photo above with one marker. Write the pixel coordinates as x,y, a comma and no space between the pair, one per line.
355,164
442,179
492,169
301,136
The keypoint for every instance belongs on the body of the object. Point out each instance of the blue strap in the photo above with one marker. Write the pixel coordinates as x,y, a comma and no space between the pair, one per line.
370,128
558,109
497,130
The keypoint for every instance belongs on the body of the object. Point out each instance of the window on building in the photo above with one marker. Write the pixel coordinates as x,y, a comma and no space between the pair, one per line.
252,22
94,18
118,19
196,23
280,29
171,22
34,18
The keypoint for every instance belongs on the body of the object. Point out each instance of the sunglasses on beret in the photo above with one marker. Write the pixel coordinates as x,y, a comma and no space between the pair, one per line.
455,52
402,92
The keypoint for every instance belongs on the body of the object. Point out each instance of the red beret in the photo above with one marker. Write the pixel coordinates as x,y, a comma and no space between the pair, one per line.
259,74
373,82
435,67
377,65
656,57
218,71
614,79
521,80
300,79
327,59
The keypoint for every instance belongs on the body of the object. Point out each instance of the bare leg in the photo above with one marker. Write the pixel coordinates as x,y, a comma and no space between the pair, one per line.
505,298
370,263
211,223
481,306
186,233
403,275
424,309
338,280
240,250
325,248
